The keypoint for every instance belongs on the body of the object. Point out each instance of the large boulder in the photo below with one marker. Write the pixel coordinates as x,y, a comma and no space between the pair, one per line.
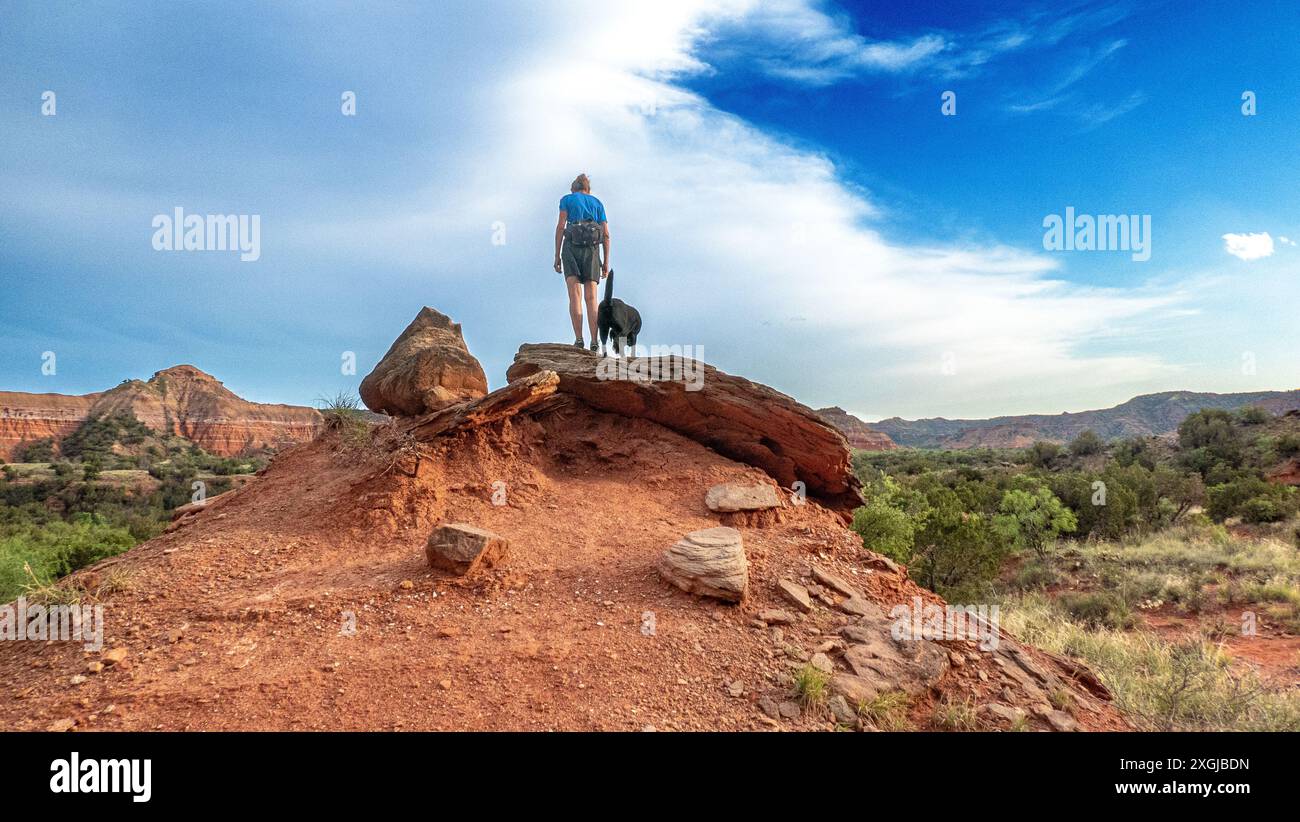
710,562
427,369
743,420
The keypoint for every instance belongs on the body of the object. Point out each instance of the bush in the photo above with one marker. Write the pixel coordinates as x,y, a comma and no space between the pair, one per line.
35,451
1042,454
1086,444
56,549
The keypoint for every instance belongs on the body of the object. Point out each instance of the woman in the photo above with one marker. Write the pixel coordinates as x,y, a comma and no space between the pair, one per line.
580,233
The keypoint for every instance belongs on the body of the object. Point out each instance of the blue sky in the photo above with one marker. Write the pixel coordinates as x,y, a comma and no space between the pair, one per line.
782,186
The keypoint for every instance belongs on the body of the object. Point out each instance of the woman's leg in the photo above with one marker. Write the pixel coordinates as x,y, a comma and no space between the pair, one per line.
575,305
590,289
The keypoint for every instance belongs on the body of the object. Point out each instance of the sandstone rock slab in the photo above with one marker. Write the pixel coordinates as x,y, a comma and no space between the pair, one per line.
709,562
743,420
728,497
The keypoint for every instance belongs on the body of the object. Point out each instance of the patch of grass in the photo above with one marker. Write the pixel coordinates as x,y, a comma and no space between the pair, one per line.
956,716
888,711
1061,699
811,685
1163,685
1102,609
343,415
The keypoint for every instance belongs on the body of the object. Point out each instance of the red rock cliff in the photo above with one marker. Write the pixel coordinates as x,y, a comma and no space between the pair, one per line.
181,400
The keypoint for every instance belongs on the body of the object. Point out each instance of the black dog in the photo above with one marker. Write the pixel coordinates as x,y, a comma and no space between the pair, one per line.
617,319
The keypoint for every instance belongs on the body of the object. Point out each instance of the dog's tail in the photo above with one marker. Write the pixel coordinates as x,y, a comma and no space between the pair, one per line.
609,285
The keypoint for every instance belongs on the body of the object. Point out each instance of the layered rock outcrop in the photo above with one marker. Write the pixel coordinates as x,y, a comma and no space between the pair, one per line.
181,401
746,421
858,433
428,368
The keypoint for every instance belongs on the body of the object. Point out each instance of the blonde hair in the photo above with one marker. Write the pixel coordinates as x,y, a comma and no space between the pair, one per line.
580,183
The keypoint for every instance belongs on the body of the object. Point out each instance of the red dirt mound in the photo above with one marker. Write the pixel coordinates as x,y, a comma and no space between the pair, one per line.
303,600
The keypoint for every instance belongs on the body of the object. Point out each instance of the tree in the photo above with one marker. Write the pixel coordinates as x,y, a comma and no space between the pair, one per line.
1033,519
1042,454
1212,429
1086,444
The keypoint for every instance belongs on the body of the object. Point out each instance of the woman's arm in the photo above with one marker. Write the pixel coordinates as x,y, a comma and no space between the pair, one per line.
605,267
559,236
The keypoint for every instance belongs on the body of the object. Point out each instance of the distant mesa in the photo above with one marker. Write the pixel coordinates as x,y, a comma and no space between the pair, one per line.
1147,415
180,401
860,435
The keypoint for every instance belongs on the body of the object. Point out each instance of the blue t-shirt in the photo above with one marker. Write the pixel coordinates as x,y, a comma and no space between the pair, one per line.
581,206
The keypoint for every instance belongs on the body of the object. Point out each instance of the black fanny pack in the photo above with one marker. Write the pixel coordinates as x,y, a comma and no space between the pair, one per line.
583,233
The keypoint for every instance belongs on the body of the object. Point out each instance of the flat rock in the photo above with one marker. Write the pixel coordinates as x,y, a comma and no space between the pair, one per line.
710,562
909,665
729,496
854,688
775,616
796,593
428,368
1001,711
462,548
880,562
835,583
743,420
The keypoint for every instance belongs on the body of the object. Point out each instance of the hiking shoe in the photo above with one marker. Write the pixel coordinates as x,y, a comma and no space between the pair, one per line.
578,342
595,346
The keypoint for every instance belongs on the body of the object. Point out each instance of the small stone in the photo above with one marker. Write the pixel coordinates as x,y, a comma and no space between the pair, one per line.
1001,711
777,636
822,663
776,617
462,549
77,679
62,725
115,656
956,659
1061,721
736,689
445,684
769,707
789,710
406,585
796,593
841,711
882,563
95,667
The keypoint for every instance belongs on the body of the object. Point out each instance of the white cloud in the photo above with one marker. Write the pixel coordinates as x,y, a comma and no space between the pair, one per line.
1251,246
723,232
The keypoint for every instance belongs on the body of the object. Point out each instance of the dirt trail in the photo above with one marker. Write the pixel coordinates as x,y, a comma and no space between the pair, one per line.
243,618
